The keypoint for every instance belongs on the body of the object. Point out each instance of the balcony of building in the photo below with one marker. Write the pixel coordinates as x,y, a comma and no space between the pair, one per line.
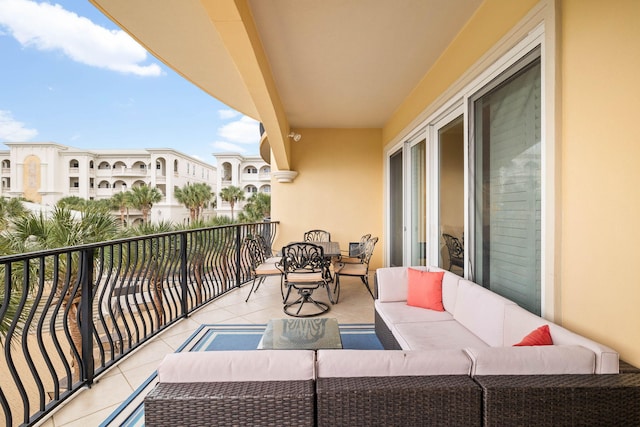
142,297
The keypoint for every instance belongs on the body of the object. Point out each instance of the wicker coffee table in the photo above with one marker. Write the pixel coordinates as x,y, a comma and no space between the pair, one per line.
301,334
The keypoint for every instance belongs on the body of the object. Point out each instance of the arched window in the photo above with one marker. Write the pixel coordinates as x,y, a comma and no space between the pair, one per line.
250,189
250,169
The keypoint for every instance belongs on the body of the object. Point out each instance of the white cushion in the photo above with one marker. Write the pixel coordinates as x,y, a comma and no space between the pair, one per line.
445,335
534,360
252,365
520,322
267,269
400,312
383,363
481,311
393,283
449,288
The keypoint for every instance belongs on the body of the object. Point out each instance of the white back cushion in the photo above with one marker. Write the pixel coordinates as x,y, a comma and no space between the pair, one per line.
449,288
252,365
388,363
393,283
481,311
535,360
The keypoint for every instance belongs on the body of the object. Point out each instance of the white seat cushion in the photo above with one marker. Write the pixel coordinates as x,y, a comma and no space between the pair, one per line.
400,312
252,365
445,335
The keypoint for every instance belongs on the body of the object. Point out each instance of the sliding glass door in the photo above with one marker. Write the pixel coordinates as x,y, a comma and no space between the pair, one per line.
507,185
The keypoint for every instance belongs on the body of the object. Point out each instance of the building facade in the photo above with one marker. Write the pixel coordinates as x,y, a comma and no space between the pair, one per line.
45,172
249,173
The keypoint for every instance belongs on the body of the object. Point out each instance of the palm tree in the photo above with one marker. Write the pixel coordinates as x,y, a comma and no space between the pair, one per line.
232,194
188,197
194,197
143,198
258,208
10,209
121,201
73,202
35,232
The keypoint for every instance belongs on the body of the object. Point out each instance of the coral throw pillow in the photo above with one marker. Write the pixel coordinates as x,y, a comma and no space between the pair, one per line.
425,289
540,336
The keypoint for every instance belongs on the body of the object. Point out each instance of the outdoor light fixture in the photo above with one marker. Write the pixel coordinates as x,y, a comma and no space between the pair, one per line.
295,136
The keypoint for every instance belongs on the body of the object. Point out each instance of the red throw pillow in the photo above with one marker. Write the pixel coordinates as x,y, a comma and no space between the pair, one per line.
425,289
540,336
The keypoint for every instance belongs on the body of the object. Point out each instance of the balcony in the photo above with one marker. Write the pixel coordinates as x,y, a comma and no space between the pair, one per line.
124,172
149,295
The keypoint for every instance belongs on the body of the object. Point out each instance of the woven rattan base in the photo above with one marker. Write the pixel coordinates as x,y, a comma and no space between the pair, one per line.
259,403
399,401
561,400
385,335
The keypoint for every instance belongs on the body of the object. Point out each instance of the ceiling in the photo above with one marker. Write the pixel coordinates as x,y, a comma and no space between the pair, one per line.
329,63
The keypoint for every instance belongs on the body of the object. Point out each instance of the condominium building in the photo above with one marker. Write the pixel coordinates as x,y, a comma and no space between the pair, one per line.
250,173
45,172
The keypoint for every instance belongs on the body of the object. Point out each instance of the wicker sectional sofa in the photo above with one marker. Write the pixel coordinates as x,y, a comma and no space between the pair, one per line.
484,325
576,381
451,368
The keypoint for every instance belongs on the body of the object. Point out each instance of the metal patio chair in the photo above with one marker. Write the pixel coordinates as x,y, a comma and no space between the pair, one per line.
305,269
358,267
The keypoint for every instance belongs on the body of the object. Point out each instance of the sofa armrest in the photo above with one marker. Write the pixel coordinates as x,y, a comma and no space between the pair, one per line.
534,360
253,365
389,363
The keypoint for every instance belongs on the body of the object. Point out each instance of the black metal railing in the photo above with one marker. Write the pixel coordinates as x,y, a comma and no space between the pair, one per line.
69,314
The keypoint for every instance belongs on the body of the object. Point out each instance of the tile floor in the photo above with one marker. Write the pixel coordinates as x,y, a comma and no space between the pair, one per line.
90,407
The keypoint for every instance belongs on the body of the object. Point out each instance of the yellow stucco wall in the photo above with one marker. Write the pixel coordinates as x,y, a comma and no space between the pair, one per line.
492,20
601,172
599,146
339,187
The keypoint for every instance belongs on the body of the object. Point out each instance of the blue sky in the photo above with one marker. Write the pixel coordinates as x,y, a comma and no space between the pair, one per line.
69,75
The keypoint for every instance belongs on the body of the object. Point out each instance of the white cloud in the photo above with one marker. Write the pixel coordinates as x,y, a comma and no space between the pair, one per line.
243,131
50,27
12,130
226,147
228,114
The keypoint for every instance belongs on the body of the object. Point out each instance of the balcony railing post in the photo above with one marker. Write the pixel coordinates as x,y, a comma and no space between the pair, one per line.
238,255
183,274
86,314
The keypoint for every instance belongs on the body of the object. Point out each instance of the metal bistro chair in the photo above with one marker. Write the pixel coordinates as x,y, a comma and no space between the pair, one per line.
358,267
304,268
317,236
356,250
261,266
456,251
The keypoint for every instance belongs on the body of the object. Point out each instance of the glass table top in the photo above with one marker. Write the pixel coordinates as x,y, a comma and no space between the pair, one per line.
301,334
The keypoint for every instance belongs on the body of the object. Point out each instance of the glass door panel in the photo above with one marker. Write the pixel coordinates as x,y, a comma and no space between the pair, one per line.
418,204
451,195
507,187
396,210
